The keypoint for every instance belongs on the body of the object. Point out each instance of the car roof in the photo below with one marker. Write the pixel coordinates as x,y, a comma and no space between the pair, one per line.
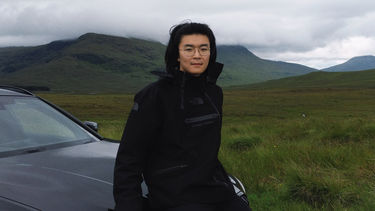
14,91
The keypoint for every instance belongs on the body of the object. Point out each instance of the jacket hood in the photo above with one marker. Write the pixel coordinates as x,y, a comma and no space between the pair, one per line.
210,75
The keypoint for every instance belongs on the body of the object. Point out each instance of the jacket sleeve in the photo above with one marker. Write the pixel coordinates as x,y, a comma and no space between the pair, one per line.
137,140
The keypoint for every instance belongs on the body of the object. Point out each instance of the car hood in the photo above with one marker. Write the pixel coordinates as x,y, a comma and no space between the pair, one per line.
71,178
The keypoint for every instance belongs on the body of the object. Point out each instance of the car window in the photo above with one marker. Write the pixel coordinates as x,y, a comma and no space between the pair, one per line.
29,122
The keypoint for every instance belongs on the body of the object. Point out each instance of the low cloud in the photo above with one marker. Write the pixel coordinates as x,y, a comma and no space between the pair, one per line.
316,33
333,53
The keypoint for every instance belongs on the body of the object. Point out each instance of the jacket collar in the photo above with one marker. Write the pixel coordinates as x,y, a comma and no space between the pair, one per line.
210,75
214,71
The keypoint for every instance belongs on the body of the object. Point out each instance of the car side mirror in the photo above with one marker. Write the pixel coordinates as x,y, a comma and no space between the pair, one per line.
92,125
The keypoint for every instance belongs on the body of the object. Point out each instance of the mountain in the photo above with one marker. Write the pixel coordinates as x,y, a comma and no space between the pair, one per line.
91,63
354,64
320,79
242,67
95,63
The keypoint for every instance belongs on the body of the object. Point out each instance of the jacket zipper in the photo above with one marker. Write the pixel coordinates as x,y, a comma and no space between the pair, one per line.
182,90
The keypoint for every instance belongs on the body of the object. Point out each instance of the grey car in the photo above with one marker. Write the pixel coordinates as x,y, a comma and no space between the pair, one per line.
49,160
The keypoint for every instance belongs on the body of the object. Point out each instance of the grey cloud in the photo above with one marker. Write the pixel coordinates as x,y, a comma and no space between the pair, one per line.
266,27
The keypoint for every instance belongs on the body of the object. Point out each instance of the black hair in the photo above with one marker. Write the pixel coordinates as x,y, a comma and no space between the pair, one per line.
176,32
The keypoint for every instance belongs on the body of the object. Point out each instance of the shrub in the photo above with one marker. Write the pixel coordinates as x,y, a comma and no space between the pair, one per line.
320,189
244,143
341,133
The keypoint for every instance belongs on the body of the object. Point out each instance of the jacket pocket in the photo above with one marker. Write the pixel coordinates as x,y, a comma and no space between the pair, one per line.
202,120
169,170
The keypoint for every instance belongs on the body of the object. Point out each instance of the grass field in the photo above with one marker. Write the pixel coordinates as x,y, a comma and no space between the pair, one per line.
294,149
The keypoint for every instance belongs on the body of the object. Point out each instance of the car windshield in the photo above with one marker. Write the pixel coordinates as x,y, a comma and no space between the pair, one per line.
28,122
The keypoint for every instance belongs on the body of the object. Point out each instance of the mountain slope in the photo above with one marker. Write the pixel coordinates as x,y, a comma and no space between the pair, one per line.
354,64
355,79
104,64
91,63
243,67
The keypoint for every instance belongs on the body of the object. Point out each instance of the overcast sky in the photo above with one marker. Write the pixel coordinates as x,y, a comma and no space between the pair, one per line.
316,33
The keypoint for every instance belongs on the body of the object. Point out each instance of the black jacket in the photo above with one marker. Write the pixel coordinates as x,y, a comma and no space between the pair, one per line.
172,138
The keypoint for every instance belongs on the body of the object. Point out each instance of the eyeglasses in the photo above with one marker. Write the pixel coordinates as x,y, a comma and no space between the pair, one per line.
190,51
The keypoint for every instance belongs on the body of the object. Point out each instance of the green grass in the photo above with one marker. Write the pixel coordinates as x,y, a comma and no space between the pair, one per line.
109,111
294,149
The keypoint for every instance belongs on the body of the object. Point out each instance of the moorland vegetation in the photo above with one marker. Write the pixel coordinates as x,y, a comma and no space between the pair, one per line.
295,147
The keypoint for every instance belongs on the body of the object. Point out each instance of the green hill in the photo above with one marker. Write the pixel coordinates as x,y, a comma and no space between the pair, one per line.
91,63
96,63
243,67
354,79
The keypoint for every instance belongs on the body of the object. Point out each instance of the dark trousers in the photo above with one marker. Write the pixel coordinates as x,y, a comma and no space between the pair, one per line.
234,205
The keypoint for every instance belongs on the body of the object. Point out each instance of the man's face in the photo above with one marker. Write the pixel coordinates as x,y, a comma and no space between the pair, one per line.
194,53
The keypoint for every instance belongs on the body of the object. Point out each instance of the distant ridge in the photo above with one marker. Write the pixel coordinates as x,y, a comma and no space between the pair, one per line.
96,63
354,64
320,79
